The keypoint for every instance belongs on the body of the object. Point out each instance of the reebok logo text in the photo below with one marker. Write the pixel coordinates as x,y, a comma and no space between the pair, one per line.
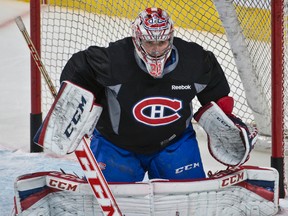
181,87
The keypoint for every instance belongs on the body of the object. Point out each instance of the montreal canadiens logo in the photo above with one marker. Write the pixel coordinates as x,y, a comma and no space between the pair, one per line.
157,111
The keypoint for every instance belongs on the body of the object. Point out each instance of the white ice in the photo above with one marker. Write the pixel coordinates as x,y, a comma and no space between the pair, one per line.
15,159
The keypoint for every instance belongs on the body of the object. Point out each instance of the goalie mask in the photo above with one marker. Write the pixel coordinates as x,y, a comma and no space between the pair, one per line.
152,35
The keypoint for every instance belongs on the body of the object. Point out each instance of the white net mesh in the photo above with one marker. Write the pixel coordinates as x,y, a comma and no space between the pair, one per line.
69,26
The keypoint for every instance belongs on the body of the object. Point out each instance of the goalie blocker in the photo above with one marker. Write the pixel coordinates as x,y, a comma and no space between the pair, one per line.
230,141
73,115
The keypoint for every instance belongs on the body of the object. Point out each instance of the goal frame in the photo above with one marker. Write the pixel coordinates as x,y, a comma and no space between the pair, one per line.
277,82
35,75
277,55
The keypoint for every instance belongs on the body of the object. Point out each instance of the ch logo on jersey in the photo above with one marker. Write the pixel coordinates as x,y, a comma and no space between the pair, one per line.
157,111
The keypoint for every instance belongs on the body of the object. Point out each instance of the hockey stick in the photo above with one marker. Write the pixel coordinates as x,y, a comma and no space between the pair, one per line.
93,173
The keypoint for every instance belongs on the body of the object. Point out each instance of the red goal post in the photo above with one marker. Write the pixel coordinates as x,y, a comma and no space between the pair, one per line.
248,38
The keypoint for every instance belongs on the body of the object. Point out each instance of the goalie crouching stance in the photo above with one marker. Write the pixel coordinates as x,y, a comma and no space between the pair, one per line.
134,98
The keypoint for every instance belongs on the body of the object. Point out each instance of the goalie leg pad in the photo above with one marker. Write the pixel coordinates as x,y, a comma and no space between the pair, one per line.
244,191
72,115
229,139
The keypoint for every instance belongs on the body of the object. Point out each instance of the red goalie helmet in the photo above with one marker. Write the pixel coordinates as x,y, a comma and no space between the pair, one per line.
152,35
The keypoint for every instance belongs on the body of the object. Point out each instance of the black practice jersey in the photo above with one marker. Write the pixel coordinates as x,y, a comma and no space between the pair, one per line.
141,113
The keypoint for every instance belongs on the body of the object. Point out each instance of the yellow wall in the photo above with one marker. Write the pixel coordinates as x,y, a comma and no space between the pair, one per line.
185,13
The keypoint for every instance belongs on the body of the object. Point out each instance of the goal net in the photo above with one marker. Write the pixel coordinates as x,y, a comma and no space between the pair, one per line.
238,32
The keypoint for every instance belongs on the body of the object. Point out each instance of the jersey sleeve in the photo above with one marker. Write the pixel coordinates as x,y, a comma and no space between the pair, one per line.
81,72
214,78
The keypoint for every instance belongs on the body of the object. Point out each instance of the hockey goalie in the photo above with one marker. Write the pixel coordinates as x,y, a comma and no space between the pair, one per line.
133,99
